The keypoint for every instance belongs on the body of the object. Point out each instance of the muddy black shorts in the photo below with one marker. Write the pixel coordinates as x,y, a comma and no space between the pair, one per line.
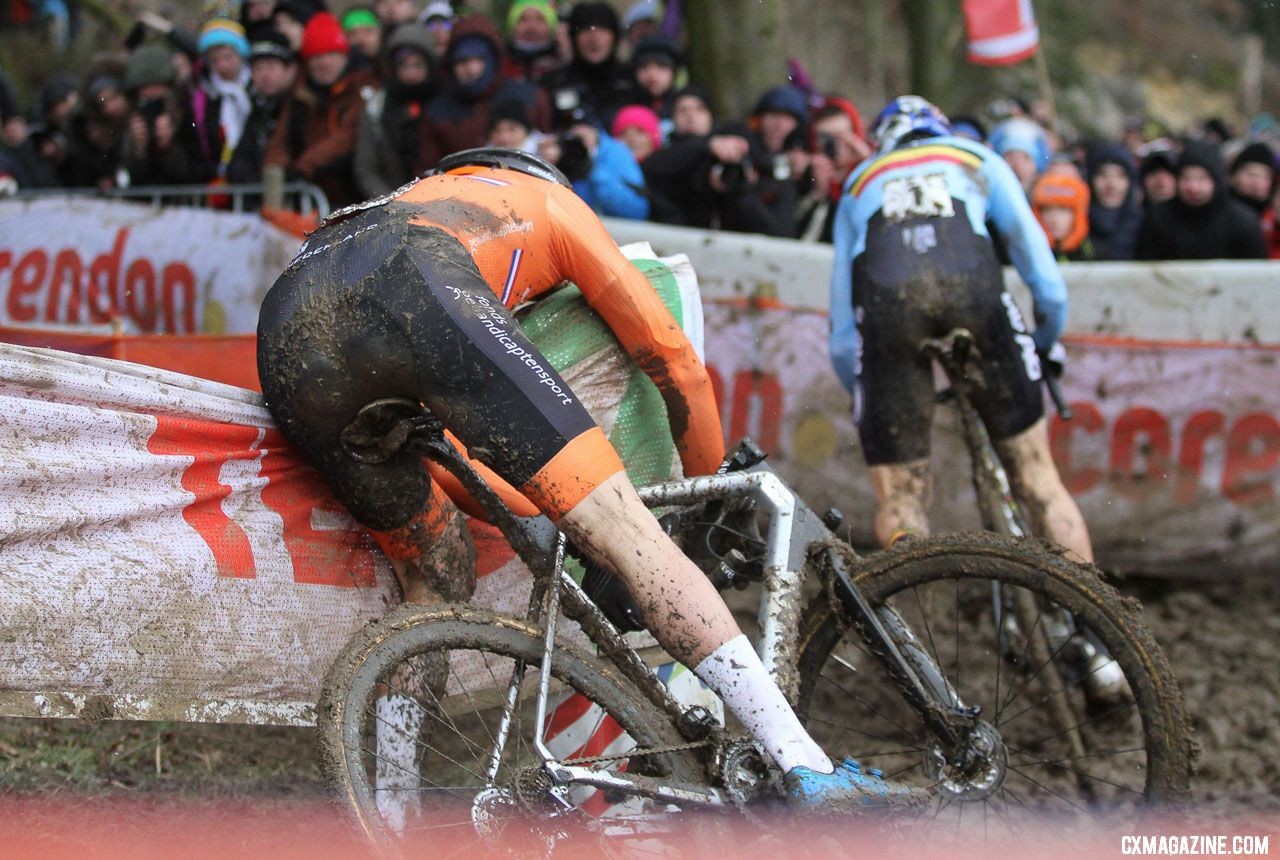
898,306
376,307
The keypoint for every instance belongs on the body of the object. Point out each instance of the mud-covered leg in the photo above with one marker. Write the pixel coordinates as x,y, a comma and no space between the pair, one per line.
1038,487
433,555
904,492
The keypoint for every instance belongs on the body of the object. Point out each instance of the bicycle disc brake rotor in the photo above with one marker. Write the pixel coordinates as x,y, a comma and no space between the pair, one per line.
977,770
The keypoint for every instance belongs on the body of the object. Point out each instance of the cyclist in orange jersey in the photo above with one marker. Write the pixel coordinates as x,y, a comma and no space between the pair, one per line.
409,296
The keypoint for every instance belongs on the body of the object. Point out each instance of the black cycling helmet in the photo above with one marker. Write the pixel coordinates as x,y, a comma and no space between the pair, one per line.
509,159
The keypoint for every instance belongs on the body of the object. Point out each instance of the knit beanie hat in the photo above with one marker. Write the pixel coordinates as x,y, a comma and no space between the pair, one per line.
1158,159
784,99
638,116
222,31
323,35
1068,192
360,16
641,10
1255,153
512,109
593,14
411,37
657,49
148,65
270,43
542,6
1024,135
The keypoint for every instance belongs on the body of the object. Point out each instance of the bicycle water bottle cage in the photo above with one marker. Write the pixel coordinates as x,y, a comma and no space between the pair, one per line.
383,428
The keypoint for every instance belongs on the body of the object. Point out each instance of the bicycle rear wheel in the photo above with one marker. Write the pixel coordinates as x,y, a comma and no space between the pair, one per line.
1136,752
410,718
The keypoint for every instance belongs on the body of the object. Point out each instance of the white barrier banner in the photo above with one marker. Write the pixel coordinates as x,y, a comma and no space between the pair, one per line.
81,262
1173,453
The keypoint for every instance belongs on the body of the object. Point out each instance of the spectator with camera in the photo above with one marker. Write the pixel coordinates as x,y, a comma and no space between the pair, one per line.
838,145
391,125
273,72
458,118
602,169
160,146
593,80
531,40
316,134
705,179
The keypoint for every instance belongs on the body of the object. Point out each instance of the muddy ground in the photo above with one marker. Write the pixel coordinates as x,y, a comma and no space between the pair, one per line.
1223,641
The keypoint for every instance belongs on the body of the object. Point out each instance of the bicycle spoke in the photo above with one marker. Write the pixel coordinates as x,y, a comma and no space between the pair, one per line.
871,735
1084,774
1056,794
1022,658
1039,761
875,711
924,616
435,714
430,748
1103,715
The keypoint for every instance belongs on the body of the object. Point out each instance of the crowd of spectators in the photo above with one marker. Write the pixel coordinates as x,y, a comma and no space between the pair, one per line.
360,101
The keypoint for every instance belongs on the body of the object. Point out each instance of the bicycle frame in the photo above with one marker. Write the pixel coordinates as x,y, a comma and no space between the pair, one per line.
794,531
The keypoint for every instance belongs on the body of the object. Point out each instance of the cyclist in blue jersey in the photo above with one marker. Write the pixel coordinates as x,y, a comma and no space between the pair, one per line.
913,260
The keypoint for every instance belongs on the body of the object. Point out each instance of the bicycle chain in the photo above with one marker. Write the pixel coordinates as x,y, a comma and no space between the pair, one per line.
640,752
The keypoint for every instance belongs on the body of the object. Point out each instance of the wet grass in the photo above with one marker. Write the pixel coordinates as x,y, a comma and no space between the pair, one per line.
55,756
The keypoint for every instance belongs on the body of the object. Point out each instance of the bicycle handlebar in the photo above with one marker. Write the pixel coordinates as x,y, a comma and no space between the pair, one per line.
1055,394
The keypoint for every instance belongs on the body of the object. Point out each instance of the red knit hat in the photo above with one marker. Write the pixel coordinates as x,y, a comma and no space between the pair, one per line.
323,35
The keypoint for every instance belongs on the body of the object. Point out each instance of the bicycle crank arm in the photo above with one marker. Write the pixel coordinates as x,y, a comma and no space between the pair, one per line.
637,786
926,692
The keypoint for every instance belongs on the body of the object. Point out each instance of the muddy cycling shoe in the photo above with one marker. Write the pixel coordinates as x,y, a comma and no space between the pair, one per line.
1104,682
849,787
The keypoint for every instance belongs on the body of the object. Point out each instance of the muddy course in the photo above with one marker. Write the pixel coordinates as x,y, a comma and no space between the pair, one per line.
1222,639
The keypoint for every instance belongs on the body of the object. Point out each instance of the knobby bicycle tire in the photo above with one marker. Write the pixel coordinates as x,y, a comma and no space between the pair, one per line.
411,630
1039,568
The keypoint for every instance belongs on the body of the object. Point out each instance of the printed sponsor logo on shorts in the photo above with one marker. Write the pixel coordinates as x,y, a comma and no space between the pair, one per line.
494,326
1030,359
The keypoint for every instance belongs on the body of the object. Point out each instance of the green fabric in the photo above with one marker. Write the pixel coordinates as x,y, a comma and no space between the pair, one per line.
567,331
359,18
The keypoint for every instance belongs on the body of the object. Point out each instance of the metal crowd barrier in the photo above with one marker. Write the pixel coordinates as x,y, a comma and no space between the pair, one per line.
303,197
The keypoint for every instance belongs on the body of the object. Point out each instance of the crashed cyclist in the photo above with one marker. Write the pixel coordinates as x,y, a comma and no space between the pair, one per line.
913,260
409,296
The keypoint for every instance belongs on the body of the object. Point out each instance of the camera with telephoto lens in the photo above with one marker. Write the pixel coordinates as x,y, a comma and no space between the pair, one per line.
575,161
827,145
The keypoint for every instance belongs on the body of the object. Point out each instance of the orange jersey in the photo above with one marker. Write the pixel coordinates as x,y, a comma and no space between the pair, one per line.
527,236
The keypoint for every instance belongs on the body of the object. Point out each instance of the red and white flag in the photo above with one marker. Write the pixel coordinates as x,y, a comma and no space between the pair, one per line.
1000,32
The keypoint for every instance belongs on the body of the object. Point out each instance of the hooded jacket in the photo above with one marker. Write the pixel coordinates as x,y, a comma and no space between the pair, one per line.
387,144
598,88
1113,231
1222,229
458,118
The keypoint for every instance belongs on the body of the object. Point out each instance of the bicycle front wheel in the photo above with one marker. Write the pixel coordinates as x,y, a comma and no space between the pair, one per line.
1023,672
424,733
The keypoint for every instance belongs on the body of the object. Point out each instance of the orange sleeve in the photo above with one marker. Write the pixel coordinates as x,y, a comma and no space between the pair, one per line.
646,329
